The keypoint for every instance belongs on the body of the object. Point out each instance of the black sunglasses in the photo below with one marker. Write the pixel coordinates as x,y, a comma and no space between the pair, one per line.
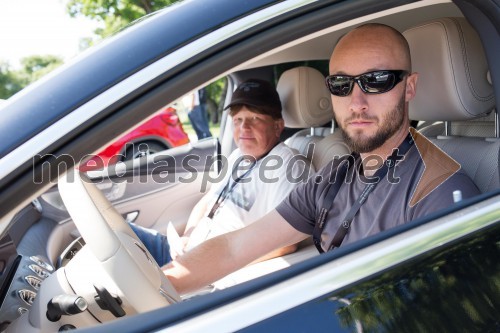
376,82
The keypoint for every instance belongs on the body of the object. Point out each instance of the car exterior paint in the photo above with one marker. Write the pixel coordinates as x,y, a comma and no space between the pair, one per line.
163,129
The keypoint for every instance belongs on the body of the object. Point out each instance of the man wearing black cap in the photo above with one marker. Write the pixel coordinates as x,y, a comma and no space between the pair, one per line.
256,112
260,174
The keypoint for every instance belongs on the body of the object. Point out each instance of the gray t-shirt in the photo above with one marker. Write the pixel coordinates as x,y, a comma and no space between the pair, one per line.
387,205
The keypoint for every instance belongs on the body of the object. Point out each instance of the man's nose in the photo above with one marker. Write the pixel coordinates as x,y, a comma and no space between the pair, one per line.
358,99
245,123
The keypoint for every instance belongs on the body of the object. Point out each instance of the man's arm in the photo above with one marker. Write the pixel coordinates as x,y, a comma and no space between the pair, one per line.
278,253
280,190
219,256
196,215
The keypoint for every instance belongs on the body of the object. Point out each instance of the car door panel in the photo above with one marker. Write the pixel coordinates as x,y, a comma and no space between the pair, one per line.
161,187
418,295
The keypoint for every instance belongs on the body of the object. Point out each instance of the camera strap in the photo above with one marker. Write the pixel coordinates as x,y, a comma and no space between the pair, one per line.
228,188
335,187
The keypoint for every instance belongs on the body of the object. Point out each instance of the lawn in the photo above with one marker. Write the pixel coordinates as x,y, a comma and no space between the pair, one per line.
188,128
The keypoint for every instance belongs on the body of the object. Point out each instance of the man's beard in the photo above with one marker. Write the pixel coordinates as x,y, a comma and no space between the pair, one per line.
392,122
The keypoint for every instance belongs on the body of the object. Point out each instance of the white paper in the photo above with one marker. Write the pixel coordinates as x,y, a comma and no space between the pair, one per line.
174,240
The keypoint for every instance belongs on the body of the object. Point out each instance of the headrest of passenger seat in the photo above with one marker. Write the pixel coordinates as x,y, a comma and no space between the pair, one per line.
304,98
452,67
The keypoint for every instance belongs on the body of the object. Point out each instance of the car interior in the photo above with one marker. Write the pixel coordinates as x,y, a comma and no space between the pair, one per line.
455,108
455,112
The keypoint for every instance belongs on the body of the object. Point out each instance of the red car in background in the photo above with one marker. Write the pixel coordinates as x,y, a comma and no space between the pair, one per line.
161,132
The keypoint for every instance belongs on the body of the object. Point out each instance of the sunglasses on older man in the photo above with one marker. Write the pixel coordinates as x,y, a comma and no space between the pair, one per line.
376,82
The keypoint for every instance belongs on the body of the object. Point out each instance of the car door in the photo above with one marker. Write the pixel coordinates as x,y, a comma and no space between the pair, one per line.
444,290
162,187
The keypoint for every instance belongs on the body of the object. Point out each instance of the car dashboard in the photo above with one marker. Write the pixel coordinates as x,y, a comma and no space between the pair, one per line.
26,251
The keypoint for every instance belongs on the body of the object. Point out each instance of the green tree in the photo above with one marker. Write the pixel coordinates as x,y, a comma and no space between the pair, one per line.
216,92
32,68
115,14
10,83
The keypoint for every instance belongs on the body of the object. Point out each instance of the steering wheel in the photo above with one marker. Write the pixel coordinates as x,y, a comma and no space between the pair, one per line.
115,247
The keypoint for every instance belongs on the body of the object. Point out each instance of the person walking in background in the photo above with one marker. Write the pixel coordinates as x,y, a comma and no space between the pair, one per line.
197,114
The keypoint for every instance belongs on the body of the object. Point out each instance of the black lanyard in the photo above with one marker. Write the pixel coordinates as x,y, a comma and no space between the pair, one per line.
334,189
226,191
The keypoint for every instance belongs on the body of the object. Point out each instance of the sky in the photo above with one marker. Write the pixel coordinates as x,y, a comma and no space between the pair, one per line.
39,27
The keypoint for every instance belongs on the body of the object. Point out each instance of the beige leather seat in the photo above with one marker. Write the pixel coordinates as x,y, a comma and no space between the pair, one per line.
307,104
483,127
454,87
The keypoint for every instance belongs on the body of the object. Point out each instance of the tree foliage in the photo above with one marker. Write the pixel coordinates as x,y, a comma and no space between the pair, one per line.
115,14
216,92
37,66
32,68
9,82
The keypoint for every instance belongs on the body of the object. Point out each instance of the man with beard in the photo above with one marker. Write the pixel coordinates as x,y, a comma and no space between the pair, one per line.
356,196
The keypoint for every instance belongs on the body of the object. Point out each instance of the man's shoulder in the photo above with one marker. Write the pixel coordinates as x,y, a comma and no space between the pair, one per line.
283,149
461,181
285,153
283,159
434,170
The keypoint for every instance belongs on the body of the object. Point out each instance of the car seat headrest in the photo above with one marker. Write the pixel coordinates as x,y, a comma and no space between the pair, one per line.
453,72
304,98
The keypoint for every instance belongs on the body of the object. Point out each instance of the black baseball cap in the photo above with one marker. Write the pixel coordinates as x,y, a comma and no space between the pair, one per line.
258,94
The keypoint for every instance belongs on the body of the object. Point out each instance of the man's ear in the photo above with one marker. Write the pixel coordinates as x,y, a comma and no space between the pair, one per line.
411,86
279,125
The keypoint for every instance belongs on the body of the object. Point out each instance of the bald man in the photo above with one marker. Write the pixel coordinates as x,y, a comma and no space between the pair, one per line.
371,83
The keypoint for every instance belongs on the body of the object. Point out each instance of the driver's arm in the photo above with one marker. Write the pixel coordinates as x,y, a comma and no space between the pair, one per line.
219,256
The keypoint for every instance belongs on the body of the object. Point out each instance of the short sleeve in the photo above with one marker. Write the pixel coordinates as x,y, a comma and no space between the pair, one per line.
442,196
300,207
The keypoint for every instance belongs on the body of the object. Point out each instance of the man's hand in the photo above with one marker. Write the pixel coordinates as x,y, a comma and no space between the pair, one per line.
224,254
175,252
